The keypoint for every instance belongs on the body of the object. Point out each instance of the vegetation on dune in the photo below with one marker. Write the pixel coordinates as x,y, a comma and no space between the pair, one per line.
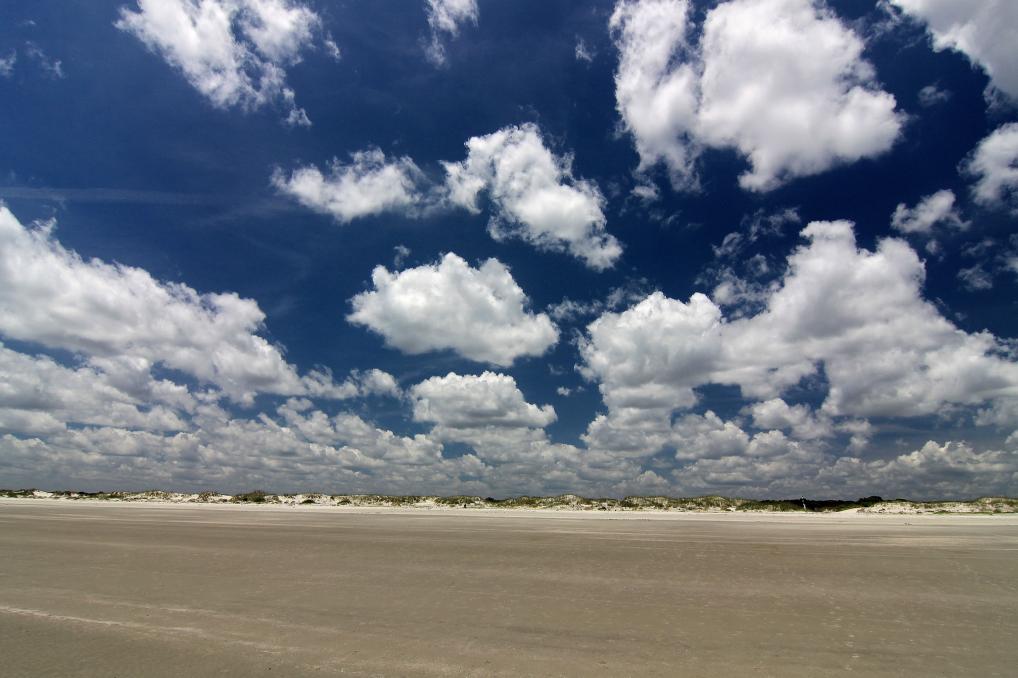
255,497
565,502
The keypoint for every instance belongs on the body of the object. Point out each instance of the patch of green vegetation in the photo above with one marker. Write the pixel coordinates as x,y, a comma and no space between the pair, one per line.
100,496
460,500
17,494
254,497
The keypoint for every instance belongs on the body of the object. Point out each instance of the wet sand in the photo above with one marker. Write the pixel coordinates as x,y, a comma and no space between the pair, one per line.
92,589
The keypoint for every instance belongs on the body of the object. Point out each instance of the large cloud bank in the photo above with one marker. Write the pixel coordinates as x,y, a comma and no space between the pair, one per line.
857,315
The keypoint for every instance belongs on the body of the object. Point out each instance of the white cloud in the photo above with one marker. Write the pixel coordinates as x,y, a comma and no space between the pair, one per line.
656,84
234,52
536,197
799,419
931,95
758,225
796,99
781,467
446,17
7,64
708,437
488,399
569,309
932,210
402,252
885,350
984,31
654,354
648,193
489,413
583,52
952,469
360,384
53,67
39,396
994,164
740,294
480,313
975,278
122,319
859,315
368,185
332,49
298,449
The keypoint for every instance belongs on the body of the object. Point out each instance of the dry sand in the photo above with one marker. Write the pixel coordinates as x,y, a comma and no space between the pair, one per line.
96,589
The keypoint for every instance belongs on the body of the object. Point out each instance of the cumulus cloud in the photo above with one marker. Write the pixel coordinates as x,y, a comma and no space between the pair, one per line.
52,296
469,401
40,396
994,165
536,197
368,185
983,31
234,52
796,99
489,413
932,210
301,448
480,313
122,319
656,84
533,192
800,419
445,18
653,354
859,315
360,384
770,464
935,470
295,449
885,350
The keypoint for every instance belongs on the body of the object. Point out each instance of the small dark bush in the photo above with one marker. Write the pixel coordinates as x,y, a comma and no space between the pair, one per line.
255,497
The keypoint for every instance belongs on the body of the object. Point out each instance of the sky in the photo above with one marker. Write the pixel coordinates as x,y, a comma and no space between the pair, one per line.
760,248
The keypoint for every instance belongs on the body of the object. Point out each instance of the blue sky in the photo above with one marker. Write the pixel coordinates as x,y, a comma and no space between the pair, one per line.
753,247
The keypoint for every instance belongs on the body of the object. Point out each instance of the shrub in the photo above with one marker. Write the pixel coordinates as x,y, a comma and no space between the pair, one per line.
255,497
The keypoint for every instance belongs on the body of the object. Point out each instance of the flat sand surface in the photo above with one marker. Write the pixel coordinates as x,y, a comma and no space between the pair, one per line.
96,589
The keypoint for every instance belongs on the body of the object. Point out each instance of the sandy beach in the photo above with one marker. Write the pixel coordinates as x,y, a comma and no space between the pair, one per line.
107,589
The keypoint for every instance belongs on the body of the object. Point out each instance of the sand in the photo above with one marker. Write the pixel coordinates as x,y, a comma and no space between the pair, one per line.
107,589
